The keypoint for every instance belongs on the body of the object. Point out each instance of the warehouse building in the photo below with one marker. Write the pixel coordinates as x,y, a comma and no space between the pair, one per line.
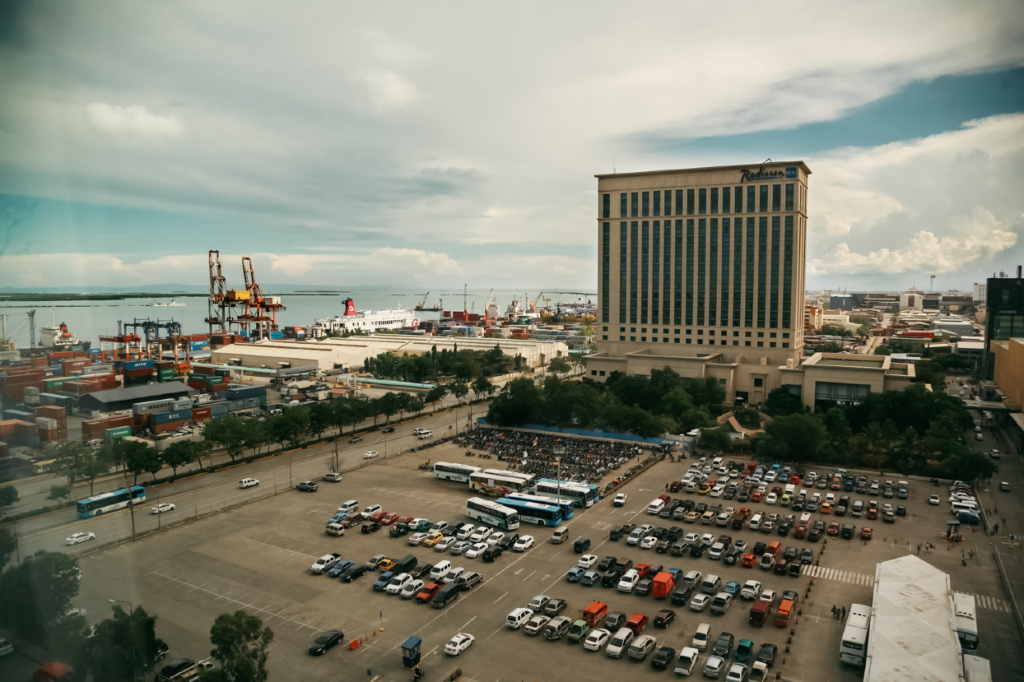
125,398
352,352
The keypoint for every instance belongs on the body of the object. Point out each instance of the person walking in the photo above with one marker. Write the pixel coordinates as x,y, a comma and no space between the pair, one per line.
919,549
833,611
844,613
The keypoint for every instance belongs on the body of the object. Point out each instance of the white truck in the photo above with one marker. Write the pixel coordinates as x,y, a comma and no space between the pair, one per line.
325,563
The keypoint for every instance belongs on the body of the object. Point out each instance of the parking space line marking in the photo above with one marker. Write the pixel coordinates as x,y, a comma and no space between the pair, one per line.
500,628
470,621
528,577
500,598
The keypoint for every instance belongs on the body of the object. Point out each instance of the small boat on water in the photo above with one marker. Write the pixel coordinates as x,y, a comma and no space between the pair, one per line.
174,303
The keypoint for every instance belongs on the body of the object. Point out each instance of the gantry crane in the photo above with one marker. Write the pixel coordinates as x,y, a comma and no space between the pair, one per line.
221,304
260,309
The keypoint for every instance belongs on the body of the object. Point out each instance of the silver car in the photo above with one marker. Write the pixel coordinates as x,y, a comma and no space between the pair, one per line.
714,666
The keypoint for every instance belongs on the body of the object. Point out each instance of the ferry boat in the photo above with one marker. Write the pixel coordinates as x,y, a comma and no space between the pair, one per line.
367,321
174,303
58,338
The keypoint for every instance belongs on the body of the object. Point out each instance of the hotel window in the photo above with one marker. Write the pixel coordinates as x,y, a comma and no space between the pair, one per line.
787,275
604,337
687,340
785,345
748,320
668,202
713,273
789,196
634,204
701,264
646,199
689,202
771,344
711,332
679,202
758,382
645,247
737,266
606,265
700,332
677,298
725,270
785,335
760,335
773,335
762,268
606,205
622,338
760,344
689,331
657,203
656,270
604,329
666,299
700,342
602,372
623,205
751,198
714,200
634,262
643,338
776,197
702,201
763,199
623,270
632,338
689,271
739,199
746,343
726,197
773,318
747,335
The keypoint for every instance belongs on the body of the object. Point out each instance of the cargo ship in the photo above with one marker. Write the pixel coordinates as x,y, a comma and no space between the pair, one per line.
367,321
59,338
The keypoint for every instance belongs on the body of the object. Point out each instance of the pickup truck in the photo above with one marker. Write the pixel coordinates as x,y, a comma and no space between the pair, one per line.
325,562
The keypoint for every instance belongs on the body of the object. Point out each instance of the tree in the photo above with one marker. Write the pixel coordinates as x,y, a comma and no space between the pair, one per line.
460,390
716,439
388,405
59,492
139,458
559,366
483,386
228,433
838,428
8,545
240,645
182,452
319,418
122,648
436,395
37,591
69,459
782,402
969,465
516,405
254,435
8,496
797,437
707,391
404,403
92,467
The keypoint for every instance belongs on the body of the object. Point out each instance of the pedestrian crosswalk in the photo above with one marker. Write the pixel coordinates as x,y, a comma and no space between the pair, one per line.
982,601
836,574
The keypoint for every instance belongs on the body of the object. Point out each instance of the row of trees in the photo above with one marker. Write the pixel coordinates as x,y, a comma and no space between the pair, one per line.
36,604
645,406
463,365
915,431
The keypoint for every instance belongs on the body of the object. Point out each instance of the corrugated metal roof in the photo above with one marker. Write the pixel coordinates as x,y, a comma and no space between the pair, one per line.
913,635
149,391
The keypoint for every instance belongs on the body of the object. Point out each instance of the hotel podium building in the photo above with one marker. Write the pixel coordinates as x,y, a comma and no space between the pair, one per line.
702,270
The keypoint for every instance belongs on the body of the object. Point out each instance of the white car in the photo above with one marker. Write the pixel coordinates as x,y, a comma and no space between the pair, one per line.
419,431
248,482
995,454
768,596
620,499
596,639
692,538
372,509
751,590
78,538
459,643
717,491
370,454
700,602
770,477
588,561
524,543
453,575
648,542
714,666
411,589
480,534
811,477
629,580
476,550
163,507
417,538
495,539
707,539
771,499
397,583
445,544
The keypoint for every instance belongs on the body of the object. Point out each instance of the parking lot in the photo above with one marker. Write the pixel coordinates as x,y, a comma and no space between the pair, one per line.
257,557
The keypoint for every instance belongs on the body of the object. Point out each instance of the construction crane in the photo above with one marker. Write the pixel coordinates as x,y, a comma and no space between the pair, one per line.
10,342
221,311
487,307
260,309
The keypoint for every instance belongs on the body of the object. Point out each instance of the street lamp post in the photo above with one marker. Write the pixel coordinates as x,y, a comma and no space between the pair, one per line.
131,623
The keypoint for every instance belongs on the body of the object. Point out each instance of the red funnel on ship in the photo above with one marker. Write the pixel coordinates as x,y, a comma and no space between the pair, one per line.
350,307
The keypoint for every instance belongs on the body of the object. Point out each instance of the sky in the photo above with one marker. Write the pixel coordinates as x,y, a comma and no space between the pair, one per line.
446,143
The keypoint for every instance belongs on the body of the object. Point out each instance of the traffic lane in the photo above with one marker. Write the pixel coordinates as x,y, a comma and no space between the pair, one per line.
18,666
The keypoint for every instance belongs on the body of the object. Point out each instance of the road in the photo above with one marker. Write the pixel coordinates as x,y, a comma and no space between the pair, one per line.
204,492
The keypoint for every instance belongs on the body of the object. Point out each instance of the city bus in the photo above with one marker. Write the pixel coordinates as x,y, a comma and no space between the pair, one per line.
564,504
454,472
581,495
534,512
108,502
529,479
496,484
854,645
966,621
492,513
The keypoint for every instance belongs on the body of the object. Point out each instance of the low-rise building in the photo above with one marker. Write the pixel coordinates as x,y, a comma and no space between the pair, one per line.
828,379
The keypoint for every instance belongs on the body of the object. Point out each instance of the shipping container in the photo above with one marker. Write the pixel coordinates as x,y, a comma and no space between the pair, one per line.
201,414
177,415
138,364
118,432
170,426
46,423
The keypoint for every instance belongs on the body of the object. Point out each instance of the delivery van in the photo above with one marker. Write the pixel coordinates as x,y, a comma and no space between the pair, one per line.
759,613
783,614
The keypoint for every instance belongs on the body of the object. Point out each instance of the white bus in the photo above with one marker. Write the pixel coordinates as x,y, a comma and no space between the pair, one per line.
854,645
966,621
496,484
492,513
454,472
529,479
977,669
581,495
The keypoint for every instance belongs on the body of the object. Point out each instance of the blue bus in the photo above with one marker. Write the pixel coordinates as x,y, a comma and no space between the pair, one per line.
581,495
108,502
565,504
534,512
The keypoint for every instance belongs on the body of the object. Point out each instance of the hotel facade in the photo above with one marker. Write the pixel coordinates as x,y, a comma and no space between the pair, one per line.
703,270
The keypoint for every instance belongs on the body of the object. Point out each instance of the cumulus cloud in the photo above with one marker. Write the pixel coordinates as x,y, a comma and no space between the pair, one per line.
132,122
389,90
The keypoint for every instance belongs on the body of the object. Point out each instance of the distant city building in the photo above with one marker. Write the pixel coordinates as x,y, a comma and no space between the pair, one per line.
979,292
1004,319
812,318
841,302
834,318
912,299
957,326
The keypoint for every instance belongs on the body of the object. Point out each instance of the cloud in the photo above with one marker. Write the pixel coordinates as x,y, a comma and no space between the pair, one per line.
132,122
389,90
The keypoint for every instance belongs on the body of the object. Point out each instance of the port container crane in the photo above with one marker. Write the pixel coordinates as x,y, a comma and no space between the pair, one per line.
260,309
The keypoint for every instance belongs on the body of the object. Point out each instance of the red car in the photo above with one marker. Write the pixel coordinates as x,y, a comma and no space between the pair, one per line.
748,561
743,513
675,487
833,528
389,518
377,516
756,497
428,592
865,533
794,479
873,514
406,520
642,570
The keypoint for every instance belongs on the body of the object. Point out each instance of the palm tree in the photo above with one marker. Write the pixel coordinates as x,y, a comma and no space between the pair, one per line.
875,445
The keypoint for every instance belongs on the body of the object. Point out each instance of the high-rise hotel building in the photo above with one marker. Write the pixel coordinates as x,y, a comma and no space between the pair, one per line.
702,270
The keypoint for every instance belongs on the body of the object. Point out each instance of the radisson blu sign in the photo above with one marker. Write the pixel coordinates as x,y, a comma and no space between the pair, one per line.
762,174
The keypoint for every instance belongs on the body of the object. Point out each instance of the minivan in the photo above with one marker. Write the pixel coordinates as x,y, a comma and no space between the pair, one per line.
958,507
424,435
350,507
518,616
755,522
581,545
465,531
655,507
335,529
440,570
711,585
620,643
701,637
559,536
642,646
